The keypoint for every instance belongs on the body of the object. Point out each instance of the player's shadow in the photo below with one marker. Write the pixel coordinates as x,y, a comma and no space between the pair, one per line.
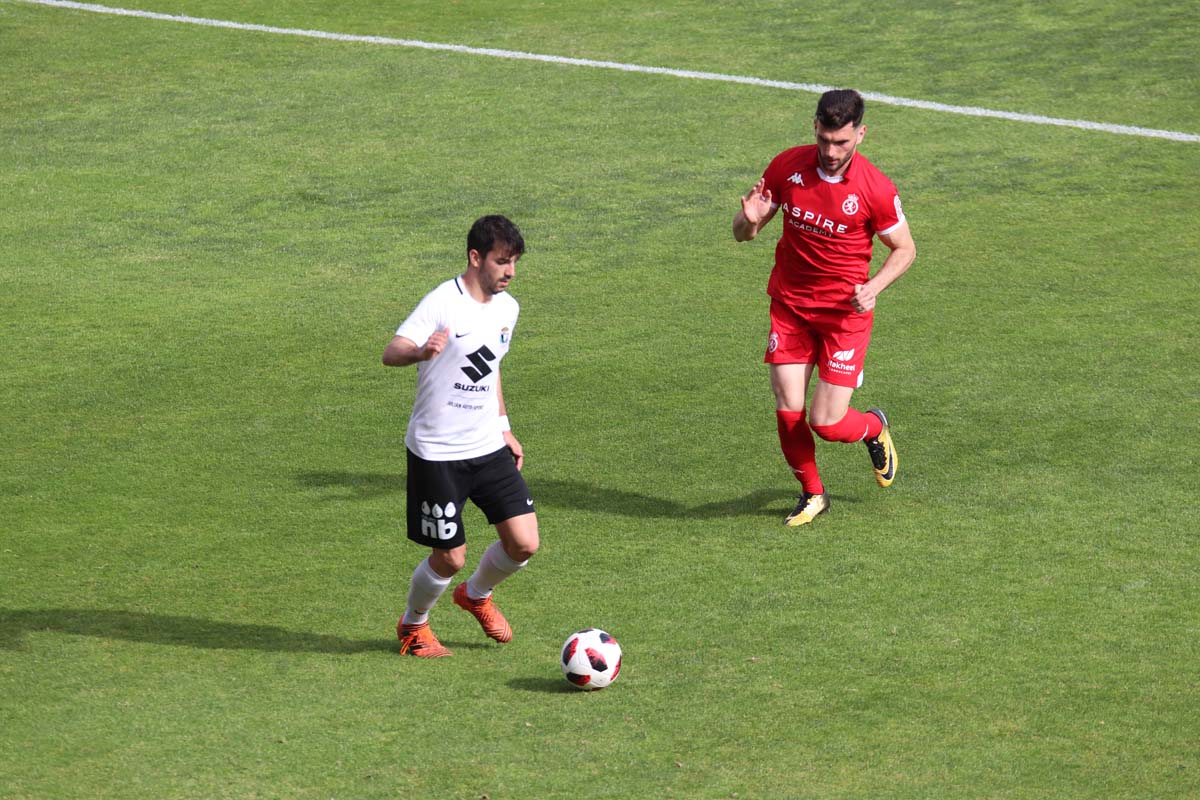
579,495
555,492
168,629
543,685
353,485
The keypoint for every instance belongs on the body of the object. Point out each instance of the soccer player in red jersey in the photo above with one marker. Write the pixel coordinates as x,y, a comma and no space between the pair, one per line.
833,202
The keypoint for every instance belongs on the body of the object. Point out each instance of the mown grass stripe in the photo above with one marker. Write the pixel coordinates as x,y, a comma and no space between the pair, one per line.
927,105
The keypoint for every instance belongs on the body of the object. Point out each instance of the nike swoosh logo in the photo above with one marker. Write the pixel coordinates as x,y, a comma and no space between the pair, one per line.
460,335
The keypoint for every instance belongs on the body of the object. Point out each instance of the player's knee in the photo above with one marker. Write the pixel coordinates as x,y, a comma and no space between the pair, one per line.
523,549
787,399
448,562
520,545
519,537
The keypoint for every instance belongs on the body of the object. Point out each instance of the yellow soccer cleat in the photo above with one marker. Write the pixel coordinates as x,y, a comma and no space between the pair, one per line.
883,452
807,508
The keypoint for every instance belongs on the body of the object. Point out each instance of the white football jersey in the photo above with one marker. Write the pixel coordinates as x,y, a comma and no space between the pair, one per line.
456,412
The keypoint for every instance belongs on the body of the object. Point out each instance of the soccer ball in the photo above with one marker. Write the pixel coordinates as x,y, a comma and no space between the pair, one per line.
591,659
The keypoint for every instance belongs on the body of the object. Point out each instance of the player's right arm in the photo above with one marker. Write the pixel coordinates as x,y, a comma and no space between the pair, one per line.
755,213
402,351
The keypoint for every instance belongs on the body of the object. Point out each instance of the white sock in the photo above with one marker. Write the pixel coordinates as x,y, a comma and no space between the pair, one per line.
423,592
494,567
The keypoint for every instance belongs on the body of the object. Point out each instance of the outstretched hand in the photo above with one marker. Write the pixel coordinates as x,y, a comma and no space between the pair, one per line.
756,205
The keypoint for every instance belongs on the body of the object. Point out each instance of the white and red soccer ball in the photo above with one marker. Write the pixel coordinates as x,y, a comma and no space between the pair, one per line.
591,659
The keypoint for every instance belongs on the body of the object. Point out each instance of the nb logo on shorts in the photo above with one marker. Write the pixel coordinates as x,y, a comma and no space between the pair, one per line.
434,523
844,355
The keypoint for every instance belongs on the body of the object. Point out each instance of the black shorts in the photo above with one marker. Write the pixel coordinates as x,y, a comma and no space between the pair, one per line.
438,489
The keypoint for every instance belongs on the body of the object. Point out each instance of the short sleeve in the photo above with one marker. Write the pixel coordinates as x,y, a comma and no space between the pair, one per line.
772,180
887,214
425,319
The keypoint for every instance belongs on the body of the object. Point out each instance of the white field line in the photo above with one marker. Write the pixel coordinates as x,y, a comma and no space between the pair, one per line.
926,105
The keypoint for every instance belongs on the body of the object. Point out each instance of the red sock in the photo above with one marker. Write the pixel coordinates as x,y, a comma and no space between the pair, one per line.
854,427
799,449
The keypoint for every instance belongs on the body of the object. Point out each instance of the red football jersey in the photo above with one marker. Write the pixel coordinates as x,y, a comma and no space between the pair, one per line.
828,226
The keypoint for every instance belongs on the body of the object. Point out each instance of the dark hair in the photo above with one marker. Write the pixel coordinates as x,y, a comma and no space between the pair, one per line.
837,107
495,229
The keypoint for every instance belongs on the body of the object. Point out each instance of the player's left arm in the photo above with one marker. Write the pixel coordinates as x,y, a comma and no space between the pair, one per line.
903,250
510,440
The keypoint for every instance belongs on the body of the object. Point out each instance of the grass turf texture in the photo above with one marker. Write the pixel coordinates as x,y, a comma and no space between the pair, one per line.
210,235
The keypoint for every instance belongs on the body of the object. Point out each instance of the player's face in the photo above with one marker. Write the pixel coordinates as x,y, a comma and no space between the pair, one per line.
836,147
496,269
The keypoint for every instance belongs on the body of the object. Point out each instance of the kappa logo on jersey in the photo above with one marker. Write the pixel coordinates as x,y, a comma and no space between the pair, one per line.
850,205
479,368
796,177
434,523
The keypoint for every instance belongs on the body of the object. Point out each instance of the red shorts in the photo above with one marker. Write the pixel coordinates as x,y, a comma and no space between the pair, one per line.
836,341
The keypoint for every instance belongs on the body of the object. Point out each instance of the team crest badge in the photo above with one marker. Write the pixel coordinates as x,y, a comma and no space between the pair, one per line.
773,342
850,205
504,336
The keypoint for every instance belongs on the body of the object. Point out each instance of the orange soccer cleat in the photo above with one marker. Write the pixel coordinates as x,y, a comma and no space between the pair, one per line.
490,619
418,640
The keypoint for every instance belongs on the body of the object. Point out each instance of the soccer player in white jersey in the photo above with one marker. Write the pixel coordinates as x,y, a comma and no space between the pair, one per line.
834,202
460,444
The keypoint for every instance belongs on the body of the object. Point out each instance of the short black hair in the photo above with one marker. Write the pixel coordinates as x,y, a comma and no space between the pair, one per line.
495,229
837,107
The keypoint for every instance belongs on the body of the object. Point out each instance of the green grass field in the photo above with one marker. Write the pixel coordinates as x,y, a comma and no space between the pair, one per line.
208,236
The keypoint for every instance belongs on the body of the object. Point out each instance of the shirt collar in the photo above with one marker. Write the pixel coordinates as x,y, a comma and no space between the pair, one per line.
845,177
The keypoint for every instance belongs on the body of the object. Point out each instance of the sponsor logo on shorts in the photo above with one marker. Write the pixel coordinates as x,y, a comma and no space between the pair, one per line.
850,205
838,362
773,342
434,523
